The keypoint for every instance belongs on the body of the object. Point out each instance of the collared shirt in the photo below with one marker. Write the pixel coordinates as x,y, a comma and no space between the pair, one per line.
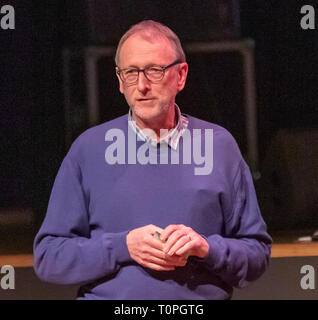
172,138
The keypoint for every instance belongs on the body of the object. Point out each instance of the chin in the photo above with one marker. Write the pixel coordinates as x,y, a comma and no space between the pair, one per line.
146,113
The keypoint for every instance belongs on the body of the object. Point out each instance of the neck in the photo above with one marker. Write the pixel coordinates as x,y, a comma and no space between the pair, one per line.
166,122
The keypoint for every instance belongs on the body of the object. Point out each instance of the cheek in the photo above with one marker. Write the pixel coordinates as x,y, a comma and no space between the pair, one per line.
169,91
172,84
128,93
126,90
167,88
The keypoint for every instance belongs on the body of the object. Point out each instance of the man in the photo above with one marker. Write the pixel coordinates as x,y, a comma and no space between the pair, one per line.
127,220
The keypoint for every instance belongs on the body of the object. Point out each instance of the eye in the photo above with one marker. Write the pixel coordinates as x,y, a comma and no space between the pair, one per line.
129,72
154,70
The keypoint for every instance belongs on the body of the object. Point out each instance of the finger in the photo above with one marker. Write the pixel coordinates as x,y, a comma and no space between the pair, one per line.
169,264
185,250
150,248
159,267
173,238
166,233
162,262
181,262
159,257
181,242
155,243
175,260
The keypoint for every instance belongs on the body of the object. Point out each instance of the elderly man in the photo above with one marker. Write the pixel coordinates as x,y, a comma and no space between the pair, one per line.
127,220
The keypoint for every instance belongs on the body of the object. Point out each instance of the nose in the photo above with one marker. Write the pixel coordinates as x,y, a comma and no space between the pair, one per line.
143,84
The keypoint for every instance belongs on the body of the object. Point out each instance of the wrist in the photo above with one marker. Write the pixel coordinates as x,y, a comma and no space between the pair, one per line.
204,249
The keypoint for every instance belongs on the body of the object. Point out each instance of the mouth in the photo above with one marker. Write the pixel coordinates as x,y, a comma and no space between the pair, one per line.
145,99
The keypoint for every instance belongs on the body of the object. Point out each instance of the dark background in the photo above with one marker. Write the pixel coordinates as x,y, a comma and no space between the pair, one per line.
32,115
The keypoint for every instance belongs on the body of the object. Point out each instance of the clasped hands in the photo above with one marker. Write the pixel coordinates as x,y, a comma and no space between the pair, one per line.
176,244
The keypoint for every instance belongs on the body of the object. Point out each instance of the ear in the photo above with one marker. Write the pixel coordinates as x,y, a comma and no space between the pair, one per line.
121,85
182,73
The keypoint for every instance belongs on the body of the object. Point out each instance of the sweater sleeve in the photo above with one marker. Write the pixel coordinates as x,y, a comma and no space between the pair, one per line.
64,251
242,253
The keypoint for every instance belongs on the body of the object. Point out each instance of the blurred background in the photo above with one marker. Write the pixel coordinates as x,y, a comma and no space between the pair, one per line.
253,70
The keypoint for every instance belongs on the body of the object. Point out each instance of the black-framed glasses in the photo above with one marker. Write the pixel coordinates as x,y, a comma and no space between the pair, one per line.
153,73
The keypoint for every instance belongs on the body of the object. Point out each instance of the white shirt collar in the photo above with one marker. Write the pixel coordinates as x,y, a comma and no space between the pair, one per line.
173,137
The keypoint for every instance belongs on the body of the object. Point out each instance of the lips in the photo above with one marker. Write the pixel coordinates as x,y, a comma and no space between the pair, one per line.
145,99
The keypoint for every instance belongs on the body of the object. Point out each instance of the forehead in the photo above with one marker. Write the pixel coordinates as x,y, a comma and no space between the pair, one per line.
141,51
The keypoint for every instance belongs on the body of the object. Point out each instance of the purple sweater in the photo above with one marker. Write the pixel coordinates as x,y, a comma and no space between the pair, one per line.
93,205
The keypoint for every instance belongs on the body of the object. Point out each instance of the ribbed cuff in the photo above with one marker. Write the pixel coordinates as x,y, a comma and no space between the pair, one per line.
213,258
120,247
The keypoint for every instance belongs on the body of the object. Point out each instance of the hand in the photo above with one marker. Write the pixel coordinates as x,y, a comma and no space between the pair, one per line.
182,240
145,249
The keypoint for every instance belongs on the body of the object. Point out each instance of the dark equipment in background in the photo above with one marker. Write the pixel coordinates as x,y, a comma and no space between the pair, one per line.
288,189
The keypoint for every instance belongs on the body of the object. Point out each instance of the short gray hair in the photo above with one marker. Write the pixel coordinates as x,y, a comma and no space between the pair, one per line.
150,29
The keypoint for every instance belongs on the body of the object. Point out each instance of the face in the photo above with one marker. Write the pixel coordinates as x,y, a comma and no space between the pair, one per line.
151,101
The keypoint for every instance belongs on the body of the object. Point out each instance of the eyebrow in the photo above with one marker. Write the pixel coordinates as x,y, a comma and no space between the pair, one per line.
148,65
